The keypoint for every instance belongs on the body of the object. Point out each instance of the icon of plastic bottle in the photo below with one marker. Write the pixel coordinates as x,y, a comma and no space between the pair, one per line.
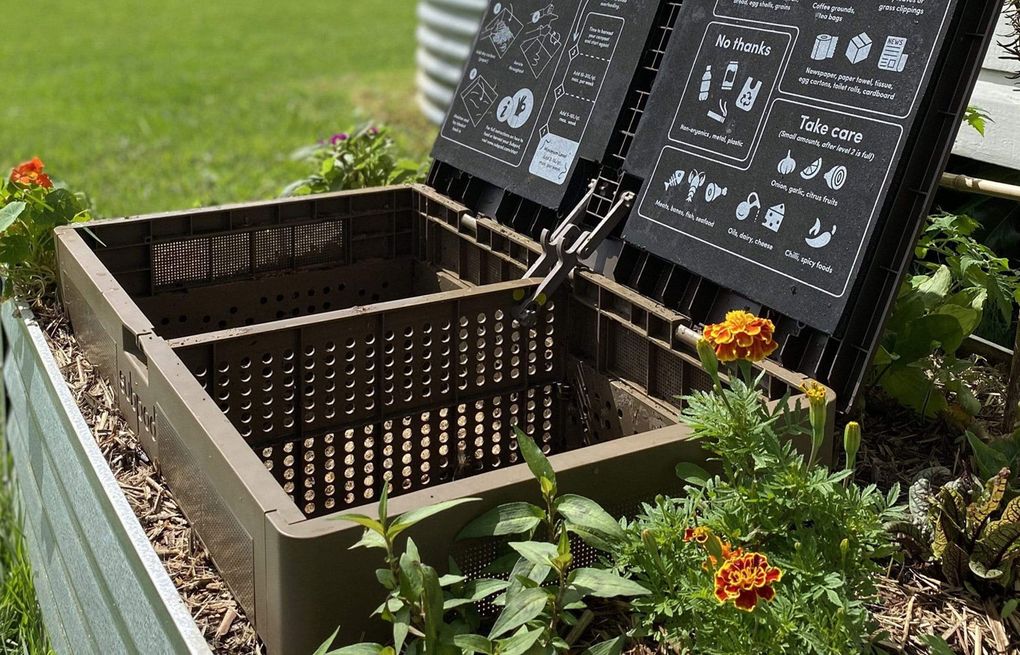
706,84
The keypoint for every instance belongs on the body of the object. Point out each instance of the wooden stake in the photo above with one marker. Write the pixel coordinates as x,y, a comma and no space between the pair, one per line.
1013,388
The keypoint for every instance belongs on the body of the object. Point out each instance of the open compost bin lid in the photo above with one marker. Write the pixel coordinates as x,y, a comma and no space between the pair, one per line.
784,154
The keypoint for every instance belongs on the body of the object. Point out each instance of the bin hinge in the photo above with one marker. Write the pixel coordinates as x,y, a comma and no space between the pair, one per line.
566,247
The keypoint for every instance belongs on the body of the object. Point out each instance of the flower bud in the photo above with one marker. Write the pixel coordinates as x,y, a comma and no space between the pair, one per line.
852,443
709,360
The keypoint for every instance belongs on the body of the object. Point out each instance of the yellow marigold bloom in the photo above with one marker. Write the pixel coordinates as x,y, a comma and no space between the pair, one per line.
742,336
745,579
815,392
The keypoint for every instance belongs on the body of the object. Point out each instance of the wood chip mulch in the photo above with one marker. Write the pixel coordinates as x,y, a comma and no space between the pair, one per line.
203,591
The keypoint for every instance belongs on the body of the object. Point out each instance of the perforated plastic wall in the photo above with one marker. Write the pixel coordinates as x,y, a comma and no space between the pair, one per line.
416,394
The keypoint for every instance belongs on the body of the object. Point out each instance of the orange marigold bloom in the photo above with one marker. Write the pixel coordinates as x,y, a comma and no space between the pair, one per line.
742,336
31,173
745,579
699,535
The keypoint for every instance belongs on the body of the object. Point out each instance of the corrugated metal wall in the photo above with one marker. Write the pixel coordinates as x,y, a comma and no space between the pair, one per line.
446,31
100,584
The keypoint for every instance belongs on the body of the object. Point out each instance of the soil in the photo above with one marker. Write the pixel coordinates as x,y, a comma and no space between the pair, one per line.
913,603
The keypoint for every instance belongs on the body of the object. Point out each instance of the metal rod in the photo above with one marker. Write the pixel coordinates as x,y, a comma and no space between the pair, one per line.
980,187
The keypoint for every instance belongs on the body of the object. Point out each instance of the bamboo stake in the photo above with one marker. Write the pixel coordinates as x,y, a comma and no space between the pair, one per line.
980,187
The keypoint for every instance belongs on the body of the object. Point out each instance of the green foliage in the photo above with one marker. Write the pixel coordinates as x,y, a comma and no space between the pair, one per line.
28,215
993,454
969,528
436,614
958,283
418,598
977,118
360,159
545,592
825,533
21,624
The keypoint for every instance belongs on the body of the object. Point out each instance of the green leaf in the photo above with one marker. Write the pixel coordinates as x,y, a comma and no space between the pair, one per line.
936,286
911,387
937,645
978,568
966,318
539,553
508,519
525,570
364,521
321,650
432,602
359,649
989,461
370,539
476,590
401,626
692,473
594,525
611,647
1009,608
927,333
520,608
520,643
538,463
474,644
408,519
384,501
10,213
604,584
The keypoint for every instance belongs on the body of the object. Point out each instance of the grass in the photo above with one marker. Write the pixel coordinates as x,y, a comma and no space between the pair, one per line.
152,106
21,628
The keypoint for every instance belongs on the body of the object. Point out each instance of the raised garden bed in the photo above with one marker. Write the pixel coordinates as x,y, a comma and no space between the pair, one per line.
88,551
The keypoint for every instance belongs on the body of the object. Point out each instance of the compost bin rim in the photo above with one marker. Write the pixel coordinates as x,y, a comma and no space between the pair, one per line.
360,311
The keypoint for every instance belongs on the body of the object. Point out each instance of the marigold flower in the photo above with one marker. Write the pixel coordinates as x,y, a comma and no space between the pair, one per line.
31,173
745,579
698,535
815,392
742,336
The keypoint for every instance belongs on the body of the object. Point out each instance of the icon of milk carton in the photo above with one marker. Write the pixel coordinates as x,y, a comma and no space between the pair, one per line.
859,48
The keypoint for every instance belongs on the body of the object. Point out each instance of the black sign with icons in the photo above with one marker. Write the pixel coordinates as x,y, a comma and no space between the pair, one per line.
769,150
542,90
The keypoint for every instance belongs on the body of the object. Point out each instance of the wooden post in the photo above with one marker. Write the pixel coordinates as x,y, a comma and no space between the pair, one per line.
1013,387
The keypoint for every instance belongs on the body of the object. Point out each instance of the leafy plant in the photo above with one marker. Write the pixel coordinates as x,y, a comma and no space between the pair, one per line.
822,532
958,279
534,609
31,206
418,598
357,160
993,454
436,614
973,531
977,118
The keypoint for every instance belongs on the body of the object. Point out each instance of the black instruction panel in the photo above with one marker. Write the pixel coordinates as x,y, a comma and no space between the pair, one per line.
543,89
772,137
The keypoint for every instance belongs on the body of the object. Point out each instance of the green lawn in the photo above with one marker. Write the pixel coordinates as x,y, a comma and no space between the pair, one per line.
153,106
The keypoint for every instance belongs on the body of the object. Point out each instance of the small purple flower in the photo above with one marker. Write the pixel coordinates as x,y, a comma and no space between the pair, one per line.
339,138
373,130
